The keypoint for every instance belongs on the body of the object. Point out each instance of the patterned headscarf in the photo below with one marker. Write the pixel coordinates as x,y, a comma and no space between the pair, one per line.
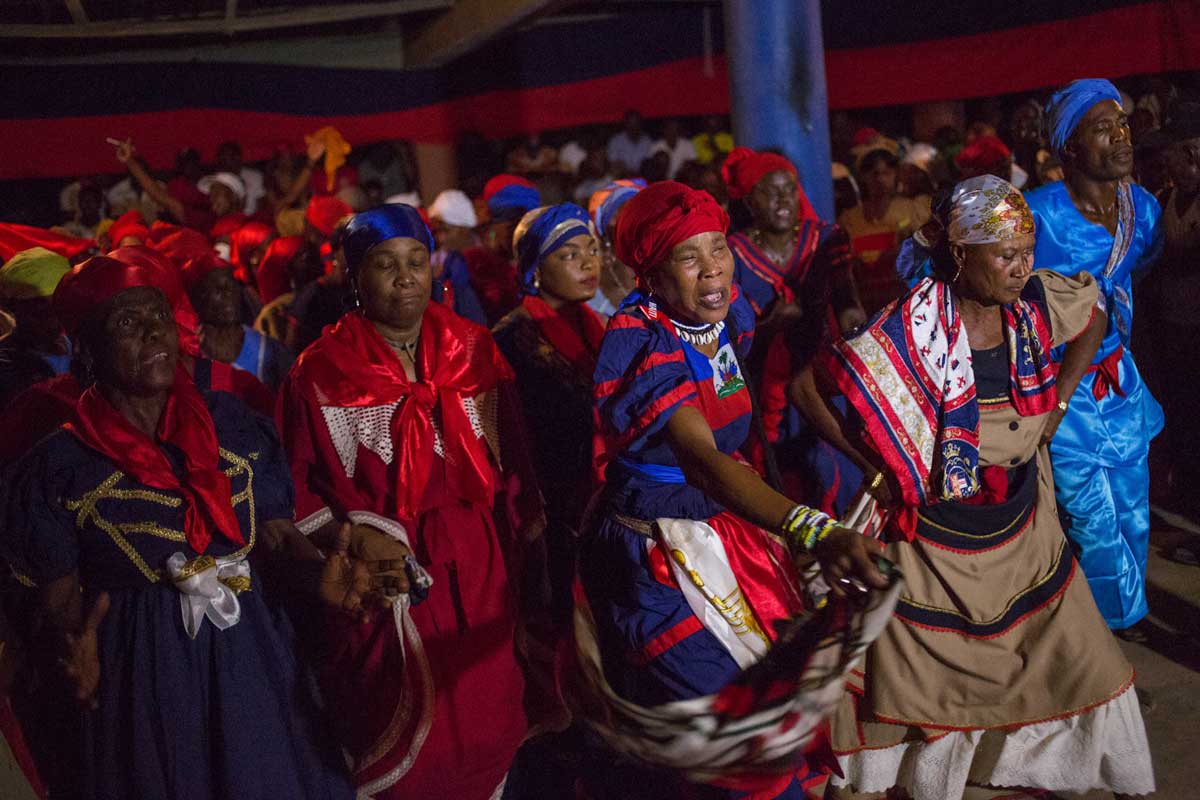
541,232
1068,105
987,209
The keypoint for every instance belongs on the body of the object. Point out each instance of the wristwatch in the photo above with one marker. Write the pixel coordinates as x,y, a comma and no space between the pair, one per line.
1062,406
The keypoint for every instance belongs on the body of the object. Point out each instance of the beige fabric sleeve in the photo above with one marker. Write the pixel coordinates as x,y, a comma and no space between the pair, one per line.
1071,300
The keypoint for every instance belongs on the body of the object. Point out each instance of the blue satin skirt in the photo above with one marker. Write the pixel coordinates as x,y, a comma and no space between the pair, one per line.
1102,483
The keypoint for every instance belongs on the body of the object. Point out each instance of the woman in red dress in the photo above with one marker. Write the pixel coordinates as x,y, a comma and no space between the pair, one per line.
402,420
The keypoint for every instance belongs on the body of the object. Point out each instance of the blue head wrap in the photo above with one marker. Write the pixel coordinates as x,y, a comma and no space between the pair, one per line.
546,233
1069,104
513,201
392,221
619,193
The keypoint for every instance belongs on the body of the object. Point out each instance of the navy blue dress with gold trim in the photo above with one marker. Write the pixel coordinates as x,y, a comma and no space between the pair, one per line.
224,715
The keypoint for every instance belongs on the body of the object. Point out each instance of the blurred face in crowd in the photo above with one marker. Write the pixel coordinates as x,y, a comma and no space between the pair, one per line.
450,237
773,202
1183,165
222,200
633,124
994,273
878,176
217,298
90,204
1026,125
229,158
913,181
697,279
571,273
1101,146
136,347
394,283
500,233
671,131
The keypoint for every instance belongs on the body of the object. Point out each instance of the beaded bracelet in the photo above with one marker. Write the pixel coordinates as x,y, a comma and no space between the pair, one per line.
806,527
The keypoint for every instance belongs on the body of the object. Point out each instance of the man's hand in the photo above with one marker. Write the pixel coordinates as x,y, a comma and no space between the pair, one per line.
125,149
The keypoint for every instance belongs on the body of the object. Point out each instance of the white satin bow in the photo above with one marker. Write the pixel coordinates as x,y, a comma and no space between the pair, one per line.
209,588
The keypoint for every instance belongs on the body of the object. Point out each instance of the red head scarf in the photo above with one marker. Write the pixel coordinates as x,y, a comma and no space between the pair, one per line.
227,224
182,245
660,217
744,168
242,244
983,154
160,272
128,224
324,212
194,269
272,275
16,238
185,423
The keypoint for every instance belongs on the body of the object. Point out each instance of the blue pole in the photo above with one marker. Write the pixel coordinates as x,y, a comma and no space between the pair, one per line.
777,85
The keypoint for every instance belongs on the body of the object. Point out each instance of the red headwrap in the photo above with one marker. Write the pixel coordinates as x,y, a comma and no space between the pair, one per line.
983,154
128,224
744,168
182,244
158,271
185,420
660,217
228,224
16,238
498,182
194,269
324,212
242,244
272,275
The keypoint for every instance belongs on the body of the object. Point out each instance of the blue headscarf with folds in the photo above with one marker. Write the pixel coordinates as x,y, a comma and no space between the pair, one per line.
548,232
619,193
513,201
1068,105
392,221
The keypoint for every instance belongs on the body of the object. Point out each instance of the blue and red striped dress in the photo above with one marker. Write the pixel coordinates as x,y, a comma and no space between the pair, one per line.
654,647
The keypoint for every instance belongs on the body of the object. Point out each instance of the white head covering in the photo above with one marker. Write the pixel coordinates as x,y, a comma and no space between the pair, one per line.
920,155
987,209
454,208
227,179
407,198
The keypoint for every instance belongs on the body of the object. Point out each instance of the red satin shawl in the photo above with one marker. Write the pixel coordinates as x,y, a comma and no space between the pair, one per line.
187,425
581,352
352,366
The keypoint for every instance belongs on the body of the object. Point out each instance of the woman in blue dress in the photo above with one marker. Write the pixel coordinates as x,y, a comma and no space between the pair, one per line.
683,582
146,525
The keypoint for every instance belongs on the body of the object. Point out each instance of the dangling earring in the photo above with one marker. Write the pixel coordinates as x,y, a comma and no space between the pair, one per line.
354,290
956,274
537,280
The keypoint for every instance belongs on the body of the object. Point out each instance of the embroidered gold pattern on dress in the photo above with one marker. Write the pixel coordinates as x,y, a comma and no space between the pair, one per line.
86,506
732,607
194,567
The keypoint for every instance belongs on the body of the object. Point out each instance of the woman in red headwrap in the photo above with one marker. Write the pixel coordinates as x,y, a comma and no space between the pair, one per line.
683,580
156,527
795,271
402,420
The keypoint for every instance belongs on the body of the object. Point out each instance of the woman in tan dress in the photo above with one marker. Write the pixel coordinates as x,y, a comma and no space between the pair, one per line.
997,671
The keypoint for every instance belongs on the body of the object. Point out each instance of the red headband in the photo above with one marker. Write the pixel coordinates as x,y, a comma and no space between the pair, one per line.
660,217
744,168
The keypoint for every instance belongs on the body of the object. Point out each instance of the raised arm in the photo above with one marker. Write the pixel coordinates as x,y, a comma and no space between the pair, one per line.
316,149
126,155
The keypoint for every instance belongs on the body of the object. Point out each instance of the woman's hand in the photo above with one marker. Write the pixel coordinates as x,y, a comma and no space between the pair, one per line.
81,659
316,149
880,490
1052,421
845,555
357,586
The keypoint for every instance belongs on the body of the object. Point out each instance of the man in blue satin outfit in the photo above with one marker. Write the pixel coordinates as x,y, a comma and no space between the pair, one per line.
1098,220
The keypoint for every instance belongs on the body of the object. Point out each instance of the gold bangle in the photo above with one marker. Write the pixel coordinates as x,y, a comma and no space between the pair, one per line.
878,479
1062,406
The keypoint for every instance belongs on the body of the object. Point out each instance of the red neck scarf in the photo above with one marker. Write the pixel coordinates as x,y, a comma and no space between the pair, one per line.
556,330
187,425
351,365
